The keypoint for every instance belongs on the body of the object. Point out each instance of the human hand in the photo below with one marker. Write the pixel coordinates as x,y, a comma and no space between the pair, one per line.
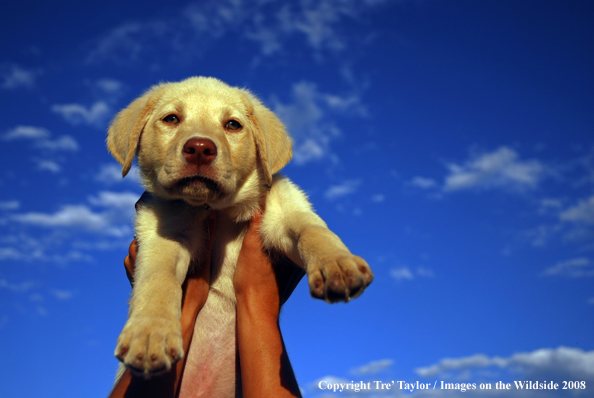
261,288
255,275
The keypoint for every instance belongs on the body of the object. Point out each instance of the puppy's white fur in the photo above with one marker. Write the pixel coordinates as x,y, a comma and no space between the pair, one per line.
170,226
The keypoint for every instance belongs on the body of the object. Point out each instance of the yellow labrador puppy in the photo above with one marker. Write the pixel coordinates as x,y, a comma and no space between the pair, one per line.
202,145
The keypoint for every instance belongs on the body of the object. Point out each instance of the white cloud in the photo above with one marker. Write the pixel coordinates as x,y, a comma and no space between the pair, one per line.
77,114
422,182
109,86
543,362
115,199
9,205
69,215
64,143
309,149
14,76
405,273
379,198
557,365
401,273
373,367
17,287
582,212
110,173
318,21
62,294
41,138
499,169
306,118
346,188
77,217
114,220
269,24
122,43
425,272
49,247
574,268
48,165
351,103
28,132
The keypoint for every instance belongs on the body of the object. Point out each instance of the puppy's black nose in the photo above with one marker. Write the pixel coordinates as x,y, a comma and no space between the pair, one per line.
200,151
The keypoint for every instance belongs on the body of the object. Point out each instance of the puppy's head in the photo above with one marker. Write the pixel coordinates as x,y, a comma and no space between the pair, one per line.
200,140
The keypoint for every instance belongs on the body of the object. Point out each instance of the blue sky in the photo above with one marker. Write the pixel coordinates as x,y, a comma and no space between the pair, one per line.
449,143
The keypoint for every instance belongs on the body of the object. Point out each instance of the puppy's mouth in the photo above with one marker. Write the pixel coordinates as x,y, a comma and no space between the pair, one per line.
196,181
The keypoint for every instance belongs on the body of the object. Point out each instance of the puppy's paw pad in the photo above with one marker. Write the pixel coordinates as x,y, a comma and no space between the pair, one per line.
148,346
338,277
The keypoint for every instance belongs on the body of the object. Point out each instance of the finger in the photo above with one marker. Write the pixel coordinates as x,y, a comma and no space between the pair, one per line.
129,269
133,250
130,260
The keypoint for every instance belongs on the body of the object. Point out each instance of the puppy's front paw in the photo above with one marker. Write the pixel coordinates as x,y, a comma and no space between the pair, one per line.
340,276
148,346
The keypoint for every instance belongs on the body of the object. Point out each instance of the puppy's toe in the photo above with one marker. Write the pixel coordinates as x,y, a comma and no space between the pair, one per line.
148,346
316,284
339,277
336,289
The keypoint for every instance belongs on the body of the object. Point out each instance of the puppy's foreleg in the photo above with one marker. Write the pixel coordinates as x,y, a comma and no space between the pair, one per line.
291,226
151,340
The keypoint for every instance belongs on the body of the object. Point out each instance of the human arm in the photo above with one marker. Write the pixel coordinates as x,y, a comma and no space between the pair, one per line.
265,367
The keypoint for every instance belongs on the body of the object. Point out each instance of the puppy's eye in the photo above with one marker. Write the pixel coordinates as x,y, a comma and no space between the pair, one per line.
233,125
171,119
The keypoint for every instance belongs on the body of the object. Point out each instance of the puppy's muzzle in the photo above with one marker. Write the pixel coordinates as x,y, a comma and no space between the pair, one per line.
199,151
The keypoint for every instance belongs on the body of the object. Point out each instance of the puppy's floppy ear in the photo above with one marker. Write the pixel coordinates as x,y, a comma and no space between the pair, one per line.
273,144
124,132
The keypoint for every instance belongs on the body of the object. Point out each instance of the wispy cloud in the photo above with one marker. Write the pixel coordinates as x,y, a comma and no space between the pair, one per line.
109,86
582,212
270,25
574,268
112,174
308,120
50,247
116,200
64,143
9,205
545,362
48,165
76,114
26,132
41,139
423,182
346,188
17,287
557,364
62,294
378,198
406,273
373,367
114,221
499,169
14,76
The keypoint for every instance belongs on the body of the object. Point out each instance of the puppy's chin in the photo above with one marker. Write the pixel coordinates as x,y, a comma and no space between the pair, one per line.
196,191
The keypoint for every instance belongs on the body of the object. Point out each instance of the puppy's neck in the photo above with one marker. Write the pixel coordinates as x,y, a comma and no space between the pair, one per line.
247,200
